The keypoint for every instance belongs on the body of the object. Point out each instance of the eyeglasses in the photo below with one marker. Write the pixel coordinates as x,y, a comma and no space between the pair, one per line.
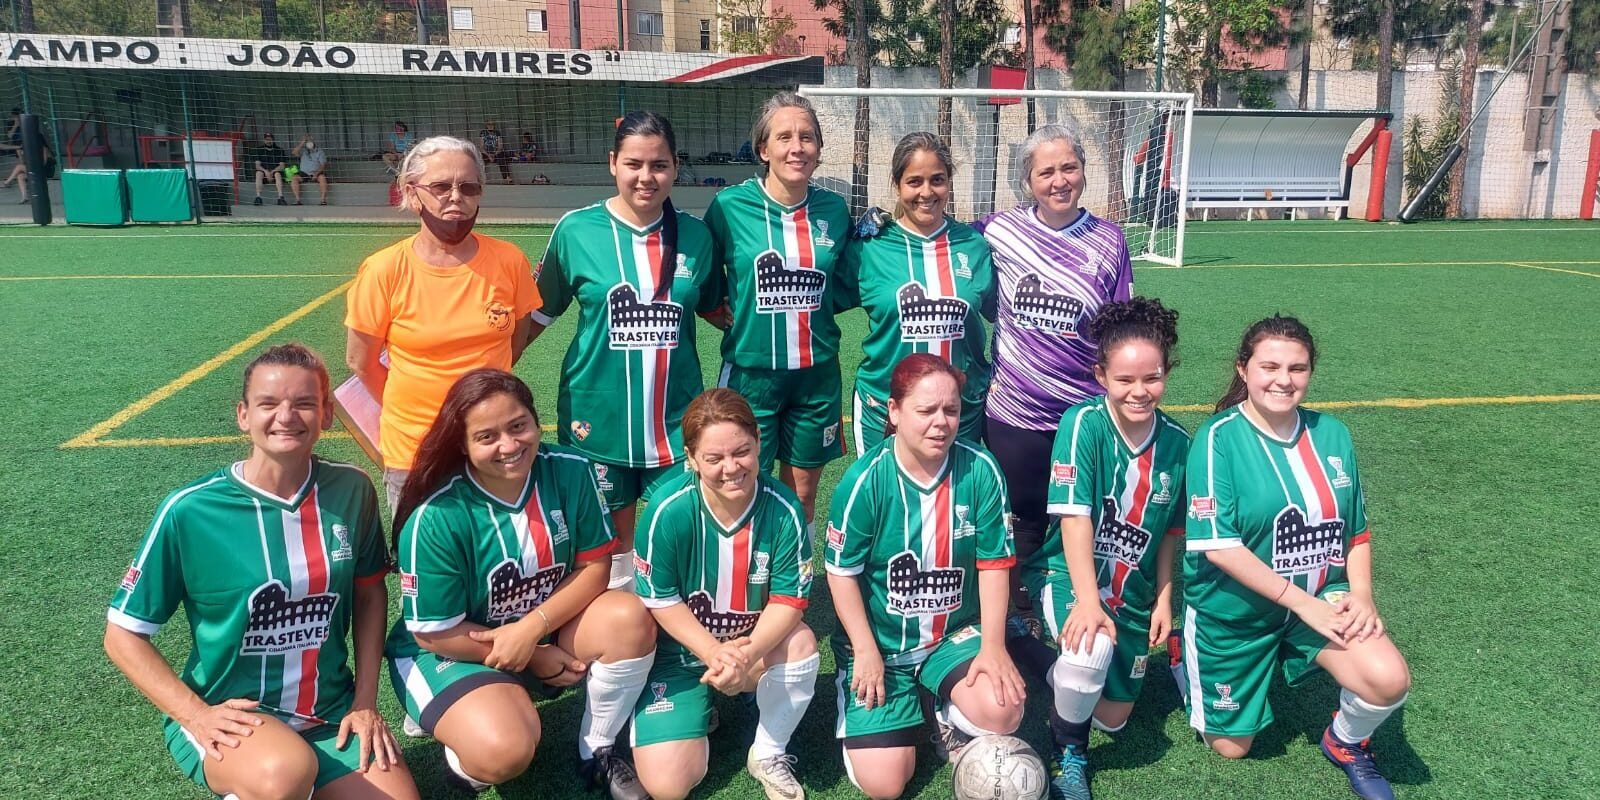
442,189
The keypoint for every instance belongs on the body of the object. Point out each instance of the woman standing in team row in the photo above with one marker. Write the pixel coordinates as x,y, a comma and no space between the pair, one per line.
1056,265
924,281
724,563
441,302
919,567
779,238
638,269
275,559
504,554
1279,563
1103,578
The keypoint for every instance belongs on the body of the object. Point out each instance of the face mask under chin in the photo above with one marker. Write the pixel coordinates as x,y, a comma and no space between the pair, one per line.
449,231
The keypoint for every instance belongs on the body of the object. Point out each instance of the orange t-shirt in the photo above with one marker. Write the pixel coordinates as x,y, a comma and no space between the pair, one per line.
439,324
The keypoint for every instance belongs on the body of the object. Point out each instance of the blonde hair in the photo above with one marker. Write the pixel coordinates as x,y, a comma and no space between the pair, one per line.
763,127
416,163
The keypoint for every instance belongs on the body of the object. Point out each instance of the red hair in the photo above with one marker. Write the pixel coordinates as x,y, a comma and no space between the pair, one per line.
911,370
715,405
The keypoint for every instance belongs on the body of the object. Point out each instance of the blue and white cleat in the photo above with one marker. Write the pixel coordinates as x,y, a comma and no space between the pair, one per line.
1069,775
1359,766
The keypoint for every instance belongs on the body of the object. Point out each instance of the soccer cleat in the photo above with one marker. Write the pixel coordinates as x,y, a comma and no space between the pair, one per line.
1069,775
1358,765
776,776
460,784
409,727
949,741
610,771
258,200
1023,626
282,202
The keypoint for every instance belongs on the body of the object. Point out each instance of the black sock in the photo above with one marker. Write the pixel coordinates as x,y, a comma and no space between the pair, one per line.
1068,734
1032,656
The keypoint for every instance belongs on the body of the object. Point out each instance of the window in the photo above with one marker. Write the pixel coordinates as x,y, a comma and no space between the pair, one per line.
647,23
461,18
744,25
537,21
705,34
1013,35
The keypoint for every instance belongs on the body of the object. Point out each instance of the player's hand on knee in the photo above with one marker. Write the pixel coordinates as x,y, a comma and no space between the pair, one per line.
866,678
1359,616
1082,623
511,646
1321,616
373,736
1003,676
224,724
553,666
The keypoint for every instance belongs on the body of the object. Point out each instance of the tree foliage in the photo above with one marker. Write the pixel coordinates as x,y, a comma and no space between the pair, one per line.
1211,38
748,28
1098,43
906,32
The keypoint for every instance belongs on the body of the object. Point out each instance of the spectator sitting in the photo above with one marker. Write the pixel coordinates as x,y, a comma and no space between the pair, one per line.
269,162
529,151
395,145
313,166
492,146
19,173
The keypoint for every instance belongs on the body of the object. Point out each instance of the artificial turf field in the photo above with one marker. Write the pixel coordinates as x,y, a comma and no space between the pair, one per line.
1465,358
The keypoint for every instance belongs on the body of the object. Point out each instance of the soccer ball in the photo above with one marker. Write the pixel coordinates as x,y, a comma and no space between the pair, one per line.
998,768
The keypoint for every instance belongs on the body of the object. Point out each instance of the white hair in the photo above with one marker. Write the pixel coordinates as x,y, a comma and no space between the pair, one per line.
1045,134
416,163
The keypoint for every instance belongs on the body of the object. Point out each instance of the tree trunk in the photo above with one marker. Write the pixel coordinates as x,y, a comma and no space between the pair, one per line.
1385,98
1209,90
947,47
1027,58
25,22
1469,80
860,156
1115,194
1309,33
269,19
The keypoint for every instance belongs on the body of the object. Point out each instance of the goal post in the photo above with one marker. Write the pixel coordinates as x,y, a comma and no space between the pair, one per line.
1137,160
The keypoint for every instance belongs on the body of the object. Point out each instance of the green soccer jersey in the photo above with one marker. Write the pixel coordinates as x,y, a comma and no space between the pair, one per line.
1297,505
725,575
1132,495
466,555
779,261
268,585
632,367
915,550
922,294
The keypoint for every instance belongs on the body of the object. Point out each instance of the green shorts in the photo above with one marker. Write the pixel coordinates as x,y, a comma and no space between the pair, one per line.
428,684
332,763
869,414
896,722
1053,595
674,705
797,411
623,486
1230,666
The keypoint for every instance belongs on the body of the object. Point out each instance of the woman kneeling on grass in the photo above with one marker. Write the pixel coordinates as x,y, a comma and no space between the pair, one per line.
1279,562
274,559
724,564
505,552
918,557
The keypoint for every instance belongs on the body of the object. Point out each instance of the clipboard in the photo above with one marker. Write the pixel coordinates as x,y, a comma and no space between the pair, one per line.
358,411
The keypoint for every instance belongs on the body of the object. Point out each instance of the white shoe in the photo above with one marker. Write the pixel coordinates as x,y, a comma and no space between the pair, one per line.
776,776
410,728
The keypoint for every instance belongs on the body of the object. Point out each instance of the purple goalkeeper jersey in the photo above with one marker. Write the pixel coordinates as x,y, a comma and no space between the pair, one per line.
1052,282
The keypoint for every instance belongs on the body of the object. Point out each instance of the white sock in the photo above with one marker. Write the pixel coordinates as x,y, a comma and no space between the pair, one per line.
782,695
454,762
1101,726
621,571
1357,718
1079,677
950,714
612,690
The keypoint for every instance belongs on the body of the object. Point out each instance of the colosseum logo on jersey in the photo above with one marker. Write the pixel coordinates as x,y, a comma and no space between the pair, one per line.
1119,545
1302,548
634,325
513,595
930,319
915,592
780,290
1034,308
278,624
724,625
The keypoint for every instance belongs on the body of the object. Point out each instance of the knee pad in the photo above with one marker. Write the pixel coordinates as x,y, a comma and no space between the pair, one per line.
1082,671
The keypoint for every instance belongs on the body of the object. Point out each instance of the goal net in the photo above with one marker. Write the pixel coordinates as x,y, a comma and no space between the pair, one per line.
1133,144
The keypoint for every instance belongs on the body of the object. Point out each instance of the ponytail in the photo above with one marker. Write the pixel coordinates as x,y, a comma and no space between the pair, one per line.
669,250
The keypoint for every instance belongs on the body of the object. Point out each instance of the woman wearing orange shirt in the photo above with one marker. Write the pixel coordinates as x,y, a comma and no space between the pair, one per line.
441,303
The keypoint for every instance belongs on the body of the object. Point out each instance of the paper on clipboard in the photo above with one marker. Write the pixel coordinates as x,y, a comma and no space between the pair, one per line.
358,412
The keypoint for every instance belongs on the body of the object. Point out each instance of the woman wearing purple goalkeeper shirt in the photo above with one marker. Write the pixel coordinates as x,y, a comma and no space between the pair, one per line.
1057,264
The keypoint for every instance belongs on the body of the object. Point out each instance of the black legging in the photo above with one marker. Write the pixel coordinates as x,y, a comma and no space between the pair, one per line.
1024,458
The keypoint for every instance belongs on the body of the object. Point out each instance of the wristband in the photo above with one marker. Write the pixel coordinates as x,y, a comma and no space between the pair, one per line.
1283,591
543,678
548,628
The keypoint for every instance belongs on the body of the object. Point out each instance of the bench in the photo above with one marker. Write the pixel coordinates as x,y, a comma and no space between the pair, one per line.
1266,158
